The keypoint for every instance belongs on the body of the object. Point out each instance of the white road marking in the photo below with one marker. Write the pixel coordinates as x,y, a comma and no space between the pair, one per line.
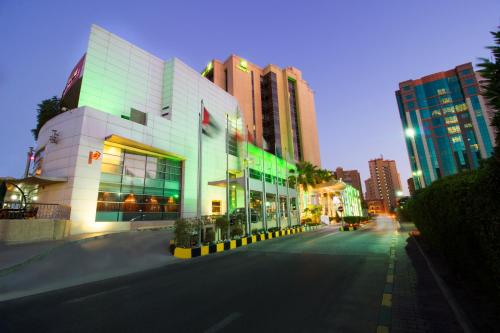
76,300
224,322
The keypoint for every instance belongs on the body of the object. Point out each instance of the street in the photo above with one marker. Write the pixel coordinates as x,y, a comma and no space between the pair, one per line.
323,281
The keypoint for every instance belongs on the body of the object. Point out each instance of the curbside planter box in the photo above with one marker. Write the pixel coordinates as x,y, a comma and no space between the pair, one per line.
187,253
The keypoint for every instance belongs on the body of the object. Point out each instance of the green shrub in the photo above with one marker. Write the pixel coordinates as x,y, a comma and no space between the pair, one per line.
222,224
236,230
210,235
460,216
182,231
352,219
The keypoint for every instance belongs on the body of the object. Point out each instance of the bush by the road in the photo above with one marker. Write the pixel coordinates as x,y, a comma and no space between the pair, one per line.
355,219
182,231
460,216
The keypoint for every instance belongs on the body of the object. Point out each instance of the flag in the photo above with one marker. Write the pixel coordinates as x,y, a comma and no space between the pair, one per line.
208,125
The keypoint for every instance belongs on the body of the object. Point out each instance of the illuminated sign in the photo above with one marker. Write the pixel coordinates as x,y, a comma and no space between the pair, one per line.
243,65
94,156
76,74
207,69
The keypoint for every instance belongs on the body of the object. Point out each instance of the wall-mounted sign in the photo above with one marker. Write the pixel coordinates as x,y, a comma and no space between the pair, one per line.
94,156
243,65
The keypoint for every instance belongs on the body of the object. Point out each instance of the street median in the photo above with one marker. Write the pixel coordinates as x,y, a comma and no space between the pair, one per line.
188,253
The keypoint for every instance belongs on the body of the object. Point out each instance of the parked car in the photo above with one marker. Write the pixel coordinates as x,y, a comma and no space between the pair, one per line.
239,215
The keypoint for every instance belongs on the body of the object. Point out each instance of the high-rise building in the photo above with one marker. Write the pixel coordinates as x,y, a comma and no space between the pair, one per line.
411,186
351,177
277,106
446,123
384,182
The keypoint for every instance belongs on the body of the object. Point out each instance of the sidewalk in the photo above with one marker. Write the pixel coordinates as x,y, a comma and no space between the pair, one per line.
54,265
14,255
418,304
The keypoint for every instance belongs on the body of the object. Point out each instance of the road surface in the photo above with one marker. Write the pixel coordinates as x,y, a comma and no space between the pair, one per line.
323,281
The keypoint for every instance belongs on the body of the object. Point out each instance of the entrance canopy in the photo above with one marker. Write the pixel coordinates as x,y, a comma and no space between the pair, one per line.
34,180
240,182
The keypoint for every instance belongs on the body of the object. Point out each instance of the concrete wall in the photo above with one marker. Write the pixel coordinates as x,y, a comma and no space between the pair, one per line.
26,231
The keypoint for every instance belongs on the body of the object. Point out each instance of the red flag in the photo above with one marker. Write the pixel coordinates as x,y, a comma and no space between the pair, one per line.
208,124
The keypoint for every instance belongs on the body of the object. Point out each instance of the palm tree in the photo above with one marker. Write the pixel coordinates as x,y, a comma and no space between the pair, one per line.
307,176
491,86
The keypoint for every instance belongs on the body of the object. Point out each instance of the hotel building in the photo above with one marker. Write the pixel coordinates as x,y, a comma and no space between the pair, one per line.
446,123
277,106
351,177
125,154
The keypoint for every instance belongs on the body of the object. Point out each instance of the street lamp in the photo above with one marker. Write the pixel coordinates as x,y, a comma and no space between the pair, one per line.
410,132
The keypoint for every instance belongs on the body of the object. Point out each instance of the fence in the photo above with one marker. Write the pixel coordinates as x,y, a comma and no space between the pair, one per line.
13,210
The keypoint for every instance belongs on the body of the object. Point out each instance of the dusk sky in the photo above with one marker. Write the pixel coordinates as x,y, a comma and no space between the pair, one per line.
352,53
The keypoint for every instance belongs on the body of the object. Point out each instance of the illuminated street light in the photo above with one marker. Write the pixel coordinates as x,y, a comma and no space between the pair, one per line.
410,132
399,193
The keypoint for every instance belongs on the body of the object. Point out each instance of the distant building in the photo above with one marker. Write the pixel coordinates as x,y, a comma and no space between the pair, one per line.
376,206
277,106
384,182
350,177
411,186
446,123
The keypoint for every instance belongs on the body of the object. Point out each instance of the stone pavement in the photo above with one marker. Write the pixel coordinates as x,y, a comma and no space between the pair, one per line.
418,304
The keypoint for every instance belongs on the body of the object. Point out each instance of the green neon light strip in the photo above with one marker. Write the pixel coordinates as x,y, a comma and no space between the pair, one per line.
257,155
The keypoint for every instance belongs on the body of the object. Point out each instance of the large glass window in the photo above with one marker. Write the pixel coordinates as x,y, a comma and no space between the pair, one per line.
138,187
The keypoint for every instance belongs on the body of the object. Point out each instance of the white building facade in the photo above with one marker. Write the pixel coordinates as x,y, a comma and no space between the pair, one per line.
128,146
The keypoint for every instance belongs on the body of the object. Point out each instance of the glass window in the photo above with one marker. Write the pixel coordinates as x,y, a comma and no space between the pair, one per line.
135,187
471,90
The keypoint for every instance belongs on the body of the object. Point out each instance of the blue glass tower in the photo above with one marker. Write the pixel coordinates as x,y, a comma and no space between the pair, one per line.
446,123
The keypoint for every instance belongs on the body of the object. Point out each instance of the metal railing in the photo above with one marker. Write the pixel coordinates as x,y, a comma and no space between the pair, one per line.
14,210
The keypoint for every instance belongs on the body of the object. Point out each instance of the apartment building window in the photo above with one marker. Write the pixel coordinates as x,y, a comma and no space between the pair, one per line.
225,79
216,207
294,120
138,116
270,113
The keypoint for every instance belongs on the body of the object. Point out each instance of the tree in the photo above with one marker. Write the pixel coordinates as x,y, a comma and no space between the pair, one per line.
306,176
490,71
47,109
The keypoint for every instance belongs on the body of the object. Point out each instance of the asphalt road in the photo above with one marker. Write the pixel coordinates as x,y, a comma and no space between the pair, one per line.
322,281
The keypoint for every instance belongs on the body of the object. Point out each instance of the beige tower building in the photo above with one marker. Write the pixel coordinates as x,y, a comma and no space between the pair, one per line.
277,106
384,182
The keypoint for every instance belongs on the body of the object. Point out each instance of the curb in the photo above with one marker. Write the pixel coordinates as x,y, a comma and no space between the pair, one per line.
188,253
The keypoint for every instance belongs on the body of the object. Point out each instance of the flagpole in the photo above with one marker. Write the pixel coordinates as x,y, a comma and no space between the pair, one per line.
247,190
198,203
264,199
278,219
228,205
289,218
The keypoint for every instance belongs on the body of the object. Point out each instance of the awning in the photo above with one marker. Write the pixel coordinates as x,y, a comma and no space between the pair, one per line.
35,180
240,181
140,147
333,186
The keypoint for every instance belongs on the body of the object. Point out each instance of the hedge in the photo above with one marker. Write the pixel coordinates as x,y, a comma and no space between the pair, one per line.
459,215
